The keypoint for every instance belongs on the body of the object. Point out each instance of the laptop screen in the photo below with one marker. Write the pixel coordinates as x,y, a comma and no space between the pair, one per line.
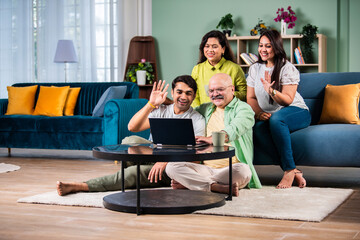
172,131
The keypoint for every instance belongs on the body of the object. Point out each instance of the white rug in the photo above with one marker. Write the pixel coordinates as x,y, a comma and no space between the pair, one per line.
308,204
4,167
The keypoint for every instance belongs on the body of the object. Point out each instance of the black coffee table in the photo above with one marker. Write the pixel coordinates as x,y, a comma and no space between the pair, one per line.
162,201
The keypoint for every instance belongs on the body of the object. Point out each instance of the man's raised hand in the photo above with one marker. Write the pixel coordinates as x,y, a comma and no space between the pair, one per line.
159,93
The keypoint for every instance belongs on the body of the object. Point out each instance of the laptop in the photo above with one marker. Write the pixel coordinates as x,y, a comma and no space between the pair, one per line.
173,132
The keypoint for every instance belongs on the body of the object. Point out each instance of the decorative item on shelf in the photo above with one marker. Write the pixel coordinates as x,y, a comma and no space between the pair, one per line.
298,56
259,28
249,58
226,24
283,27
141,73
65,53
309,34
286,17
141,77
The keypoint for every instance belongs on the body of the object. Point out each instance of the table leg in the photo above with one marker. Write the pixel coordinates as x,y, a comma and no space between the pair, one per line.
138,210
229,198
123,176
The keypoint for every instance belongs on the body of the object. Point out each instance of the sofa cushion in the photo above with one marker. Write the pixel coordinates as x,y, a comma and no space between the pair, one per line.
15,123
52,140
115,92
70,124
66,124
341,104
71,100
51,101
21,100
327,145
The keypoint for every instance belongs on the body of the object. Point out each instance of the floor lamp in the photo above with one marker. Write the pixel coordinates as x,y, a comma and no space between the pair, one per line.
65,53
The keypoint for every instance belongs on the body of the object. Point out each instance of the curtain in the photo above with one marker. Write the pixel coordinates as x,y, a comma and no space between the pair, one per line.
48,28
100,29
16,46
135,20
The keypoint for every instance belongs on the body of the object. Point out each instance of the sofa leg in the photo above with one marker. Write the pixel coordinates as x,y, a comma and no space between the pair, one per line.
9,152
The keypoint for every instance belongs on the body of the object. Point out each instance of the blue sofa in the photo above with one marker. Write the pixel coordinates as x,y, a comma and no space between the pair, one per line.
335,145
79,132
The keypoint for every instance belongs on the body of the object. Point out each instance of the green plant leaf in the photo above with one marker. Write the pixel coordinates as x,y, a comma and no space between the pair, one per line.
226,22
309,34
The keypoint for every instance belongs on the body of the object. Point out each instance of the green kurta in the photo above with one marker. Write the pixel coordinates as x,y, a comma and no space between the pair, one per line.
204,71
239,121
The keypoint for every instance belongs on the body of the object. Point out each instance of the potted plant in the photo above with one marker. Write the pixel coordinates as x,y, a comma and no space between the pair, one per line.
309,34
259,28
226,24
141,73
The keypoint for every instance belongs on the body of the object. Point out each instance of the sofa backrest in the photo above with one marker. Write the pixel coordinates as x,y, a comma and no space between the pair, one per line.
312,88
90,93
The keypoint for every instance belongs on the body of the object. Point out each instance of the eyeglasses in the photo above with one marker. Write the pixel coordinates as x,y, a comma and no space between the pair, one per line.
218,90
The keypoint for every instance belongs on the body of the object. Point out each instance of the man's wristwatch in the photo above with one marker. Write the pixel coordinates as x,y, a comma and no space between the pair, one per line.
273,92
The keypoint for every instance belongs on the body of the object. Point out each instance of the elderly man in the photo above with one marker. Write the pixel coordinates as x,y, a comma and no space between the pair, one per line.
236,118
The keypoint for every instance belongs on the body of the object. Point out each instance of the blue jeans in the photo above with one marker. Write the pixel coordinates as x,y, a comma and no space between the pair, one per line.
278,129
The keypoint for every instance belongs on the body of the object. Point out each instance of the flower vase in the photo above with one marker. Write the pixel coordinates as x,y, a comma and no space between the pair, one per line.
283,27
141,77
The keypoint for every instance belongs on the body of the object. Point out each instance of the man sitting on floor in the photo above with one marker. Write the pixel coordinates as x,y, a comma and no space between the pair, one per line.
236,118
152,175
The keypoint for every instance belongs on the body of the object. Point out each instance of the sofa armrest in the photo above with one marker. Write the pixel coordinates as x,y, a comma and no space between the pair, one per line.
3,106
117,114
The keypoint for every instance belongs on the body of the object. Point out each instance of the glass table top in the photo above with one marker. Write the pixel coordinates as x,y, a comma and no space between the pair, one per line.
152,152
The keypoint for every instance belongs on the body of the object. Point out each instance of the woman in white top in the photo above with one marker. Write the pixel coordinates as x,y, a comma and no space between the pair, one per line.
272,93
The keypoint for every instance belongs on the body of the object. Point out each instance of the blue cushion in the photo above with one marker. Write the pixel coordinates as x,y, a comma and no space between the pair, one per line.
327,145
117,92
18,123
70,124
64,124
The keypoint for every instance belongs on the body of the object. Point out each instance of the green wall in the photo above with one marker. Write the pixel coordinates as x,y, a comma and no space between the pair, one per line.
178,26
354,32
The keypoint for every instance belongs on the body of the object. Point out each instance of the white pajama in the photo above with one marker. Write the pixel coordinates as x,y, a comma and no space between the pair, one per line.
200,177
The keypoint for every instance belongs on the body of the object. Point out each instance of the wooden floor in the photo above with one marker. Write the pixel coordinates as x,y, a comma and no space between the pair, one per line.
39,173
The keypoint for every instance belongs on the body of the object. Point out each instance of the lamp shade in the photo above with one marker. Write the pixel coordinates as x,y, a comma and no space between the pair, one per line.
65,52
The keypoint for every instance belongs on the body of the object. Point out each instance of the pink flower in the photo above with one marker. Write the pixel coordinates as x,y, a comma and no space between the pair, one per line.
143,60
288,16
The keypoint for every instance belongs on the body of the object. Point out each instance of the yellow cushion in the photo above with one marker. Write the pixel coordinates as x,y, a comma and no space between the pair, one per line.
71,100
341,104
21,100
51,101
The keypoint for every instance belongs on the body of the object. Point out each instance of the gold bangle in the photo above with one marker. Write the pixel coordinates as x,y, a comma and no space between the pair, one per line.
151,104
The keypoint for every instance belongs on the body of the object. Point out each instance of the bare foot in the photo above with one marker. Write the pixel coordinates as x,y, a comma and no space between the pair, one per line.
176,185
300,179
287,180
221,188
66,188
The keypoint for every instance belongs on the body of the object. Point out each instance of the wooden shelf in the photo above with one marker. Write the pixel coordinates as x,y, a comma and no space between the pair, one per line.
142,47
293,41
145,91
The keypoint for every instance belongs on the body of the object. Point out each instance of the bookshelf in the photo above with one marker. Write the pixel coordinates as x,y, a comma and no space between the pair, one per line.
249,44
